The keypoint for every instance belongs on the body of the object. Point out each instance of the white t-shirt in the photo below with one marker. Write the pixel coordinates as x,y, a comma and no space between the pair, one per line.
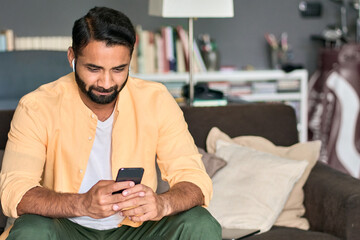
99,168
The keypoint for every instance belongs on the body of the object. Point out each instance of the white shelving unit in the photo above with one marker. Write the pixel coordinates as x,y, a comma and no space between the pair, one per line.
250,76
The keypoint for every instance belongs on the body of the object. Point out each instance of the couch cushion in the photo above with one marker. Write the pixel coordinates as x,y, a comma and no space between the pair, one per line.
5,119
276,122
251,190
284,233
211,162
2,216
294,209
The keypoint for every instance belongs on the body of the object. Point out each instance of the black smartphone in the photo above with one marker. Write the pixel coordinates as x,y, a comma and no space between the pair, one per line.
129,174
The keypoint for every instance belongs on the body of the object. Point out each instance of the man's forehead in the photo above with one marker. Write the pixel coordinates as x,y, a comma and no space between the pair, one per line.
103,47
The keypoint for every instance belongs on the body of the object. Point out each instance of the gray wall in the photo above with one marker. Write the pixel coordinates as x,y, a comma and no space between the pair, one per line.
240,39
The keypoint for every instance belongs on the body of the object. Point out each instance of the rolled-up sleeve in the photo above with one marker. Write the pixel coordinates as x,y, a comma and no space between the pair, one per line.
178,157
24,156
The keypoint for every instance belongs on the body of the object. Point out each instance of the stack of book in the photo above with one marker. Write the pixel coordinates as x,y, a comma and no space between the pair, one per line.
288,86
164,51
237,90
56,43
175,88
7,40
222,86
264,87
210,102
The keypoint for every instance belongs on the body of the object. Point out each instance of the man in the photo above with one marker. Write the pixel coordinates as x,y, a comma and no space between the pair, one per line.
69,138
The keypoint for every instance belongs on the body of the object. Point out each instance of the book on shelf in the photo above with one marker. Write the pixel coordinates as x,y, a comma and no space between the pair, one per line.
140,50
180,57
222,86
7,40
198,61
165,51
134,67
264,87
2,43
288,86
239,89
150,57
184,39
54,43
10,39
160,53
175,88
209,102
170,51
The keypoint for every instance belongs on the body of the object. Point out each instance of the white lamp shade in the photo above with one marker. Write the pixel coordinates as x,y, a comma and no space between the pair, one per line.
191,8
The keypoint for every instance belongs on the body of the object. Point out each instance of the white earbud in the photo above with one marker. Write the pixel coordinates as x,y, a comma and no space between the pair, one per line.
73,64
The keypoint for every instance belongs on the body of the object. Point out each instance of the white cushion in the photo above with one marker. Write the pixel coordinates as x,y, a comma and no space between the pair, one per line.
292,214
251,190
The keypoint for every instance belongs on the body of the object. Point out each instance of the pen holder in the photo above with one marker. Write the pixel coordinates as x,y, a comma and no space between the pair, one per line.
278,58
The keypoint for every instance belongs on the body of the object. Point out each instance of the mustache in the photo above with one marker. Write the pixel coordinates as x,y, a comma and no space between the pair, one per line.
103,90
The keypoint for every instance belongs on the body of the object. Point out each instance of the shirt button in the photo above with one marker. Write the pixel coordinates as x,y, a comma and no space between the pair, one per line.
92,116
81,171
90,138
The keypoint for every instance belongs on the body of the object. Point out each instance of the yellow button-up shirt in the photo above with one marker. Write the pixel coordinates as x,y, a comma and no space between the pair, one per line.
52,133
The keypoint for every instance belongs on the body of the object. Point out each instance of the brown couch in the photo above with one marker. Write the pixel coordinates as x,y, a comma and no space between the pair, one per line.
332,199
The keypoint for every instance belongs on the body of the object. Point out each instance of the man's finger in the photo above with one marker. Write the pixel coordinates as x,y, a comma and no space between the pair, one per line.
136,207
117,186
142,218
136,189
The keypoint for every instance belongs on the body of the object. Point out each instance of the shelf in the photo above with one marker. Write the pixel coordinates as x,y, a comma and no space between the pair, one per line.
299,96
258,75
259,97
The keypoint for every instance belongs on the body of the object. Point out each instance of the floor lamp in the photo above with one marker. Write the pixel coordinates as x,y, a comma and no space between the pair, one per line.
191,9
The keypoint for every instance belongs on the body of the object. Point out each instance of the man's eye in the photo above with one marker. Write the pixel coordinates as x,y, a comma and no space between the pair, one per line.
118,69
92,69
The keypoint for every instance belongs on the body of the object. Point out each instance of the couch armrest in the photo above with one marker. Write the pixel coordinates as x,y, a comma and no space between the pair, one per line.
332,202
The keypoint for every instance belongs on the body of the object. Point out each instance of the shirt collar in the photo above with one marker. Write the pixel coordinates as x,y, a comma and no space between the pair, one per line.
123,101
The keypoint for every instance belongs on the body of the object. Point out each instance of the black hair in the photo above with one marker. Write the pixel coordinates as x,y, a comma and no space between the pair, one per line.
103,24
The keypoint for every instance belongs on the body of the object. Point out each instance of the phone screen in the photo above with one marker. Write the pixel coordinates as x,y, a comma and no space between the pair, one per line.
129,174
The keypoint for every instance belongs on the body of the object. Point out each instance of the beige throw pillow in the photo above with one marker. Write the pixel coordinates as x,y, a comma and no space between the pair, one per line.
251,190
292,214
211,162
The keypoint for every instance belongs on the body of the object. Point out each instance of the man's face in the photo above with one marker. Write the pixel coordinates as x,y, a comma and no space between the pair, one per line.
102,71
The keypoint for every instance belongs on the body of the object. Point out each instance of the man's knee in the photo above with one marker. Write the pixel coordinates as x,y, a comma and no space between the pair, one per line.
29,226
200,219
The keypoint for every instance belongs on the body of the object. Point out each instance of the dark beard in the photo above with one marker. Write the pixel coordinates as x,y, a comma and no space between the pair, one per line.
99,99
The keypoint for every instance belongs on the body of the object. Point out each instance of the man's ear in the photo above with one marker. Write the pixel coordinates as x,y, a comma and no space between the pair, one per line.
71,58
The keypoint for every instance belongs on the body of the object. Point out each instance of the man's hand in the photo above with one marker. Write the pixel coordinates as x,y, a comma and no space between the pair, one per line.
142,204
99,201
138,202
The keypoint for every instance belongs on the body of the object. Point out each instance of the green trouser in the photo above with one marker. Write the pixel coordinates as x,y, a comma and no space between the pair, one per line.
196,223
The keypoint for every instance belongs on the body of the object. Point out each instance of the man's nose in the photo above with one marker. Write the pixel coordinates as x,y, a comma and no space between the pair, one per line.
105,81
